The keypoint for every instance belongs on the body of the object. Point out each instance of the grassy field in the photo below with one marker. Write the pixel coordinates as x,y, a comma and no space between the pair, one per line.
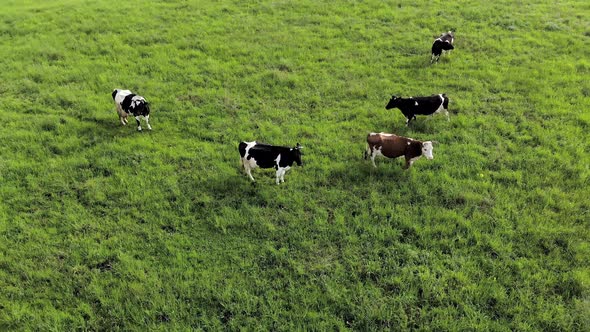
106,228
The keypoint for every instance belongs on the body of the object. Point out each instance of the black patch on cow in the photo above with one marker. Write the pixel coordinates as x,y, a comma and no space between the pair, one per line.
439,45
242,149
410,107
141,108
127,102
445,101
114,93
266,155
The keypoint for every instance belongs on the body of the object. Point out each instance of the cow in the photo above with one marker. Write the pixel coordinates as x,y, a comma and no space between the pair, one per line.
393,146
442,43
254,154
413,106
128,103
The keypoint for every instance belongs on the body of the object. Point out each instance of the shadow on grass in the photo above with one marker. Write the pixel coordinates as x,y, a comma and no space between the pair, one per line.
360,172
100,130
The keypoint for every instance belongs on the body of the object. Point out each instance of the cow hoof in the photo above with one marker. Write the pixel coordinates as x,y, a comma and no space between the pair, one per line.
139,129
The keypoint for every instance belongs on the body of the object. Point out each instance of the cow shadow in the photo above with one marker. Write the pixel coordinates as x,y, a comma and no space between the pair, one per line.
424,124
237,186
103,129
361,172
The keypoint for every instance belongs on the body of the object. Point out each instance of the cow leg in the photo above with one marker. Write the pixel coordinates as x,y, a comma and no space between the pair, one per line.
147,122
283,175
248,170
122,115
409,163
447,114
278,179
138,123
373,155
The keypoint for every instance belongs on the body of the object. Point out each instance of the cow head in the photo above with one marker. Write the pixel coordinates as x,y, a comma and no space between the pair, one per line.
393,102
427,150
115,93
297,154
146,108
140,107
447,46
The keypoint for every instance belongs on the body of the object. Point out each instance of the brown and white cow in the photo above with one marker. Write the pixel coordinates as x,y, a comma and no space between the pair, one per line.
393,146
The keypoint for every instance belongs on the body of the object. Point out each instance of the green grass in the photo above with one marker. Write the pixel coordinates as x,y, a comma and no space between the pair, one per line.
105,228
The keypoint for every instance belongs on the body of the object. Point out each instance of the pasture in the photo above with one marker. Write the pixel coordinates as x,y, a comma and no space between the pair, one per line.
106,228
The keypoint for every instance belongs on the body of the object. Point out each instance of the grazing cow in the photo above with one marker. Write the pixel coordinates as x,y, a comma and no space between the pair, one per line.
442,43
255,154
413,106
393,146
130,103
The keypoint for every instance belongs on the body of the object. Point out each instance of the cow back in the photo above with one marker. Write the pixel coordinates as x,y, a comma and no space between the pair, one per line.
425,105
390,145
264,154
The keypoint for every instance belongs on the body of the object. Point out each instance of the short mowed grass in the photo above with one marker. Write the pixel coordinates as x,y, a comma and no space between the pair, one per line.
106,228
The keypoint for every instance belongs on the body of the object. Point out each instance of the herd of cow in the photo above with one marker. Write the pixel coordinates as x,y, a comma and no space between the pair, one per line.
254,154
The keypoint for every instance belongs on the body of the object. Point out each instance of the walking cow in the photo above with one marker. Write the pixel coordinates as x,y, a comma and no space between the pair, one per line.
254,154
413,106
393,146
130,103
442,43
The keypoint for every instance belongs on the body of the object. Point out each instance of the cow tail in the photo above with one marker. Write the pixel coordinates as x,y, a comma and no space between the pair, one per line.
367,151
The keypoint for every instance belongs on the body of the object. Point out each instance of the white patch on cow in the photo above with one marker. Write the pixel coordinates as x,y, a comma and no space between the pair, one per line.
249,165
280,170
412,160
442,108
139,124
374,153
427,150
281,174
386,134
409,143
415,103
120,96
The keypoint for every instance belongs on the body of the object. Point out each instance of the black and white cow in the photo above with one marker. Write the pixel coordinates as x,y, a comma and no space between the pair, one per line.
130,103
393,146
413,106
442,43
254,154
